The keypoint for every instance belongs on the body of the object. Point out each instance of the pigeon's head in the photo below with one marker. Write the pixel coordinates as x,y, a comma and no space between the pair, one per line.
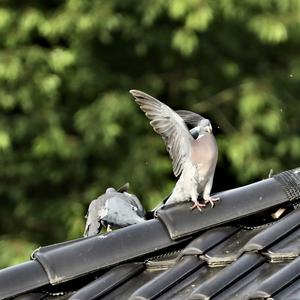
195,123
122,189
110,190
204,126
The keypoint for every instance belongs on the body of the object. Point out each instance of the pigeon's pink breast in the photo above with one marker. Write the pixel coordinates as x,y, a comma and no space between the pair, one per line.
204,151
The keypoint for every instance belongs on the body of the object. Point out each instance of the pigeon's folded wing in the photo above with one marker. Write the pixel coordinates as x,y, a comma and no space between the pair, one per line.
120,212
135,202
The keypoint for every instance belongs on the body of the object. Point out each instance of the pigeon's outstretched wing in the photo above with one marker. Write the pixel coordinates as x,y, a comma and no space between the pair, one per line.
170,126
190,118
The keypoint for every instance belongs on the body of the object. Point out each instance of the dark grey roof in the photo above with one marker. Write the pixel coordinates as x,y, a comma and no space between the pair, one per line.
233,251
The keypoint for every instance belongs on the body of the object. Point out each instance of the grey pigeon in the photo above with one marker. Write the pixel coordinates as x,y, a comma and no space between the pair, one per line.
115,208
194,152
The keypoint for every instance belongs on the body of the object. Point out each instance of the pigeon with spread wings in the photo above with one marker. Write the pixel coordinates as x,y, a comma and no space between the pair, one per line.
194,152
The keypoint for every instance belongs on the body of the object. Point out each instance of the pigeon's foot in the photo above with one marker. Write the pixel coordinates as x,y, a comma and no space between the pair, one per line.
197,205
211,200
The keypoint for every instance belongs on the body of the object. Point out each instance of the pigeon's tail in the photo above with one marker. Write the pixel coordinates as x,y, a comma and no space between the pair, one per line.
93,223
139,220
92,229
152,213
176,196
123,188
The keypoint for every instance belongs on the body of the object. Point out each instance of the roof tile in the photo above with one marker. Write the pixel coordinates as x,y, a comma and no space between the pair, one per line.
166,280
107,282
229,275
274,233
230,250
286,249
277,281
231,262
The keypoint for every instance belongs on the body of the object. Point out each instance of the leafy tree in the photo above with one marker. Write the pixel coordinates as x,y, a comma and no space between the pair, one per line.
69,128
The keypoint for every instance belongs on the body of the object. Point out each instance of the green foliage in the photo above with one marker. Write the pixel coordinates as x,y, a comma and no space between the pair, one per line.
15,251
69,128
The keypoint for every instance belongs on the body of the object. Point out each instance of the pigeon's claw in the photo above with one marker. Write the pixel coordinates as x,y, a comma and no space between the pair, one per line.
198,206
211,200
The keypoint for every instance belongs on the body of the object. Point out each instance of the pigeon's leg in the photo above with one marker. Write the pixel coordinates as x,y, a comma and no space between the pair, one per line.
206,193
211,200
196,204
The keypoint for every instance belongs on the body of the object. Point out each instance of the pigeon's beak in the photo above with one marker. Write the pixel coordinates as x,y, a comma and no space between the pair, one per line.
208,129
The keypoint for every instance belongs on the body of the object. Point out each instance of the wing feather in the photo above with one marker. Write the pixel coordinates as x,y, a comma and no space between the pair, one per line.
189,117
167,123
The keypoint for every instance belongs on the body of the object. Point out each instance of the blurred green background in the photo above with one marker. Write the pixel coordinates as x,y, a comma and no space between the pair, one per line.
69,128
